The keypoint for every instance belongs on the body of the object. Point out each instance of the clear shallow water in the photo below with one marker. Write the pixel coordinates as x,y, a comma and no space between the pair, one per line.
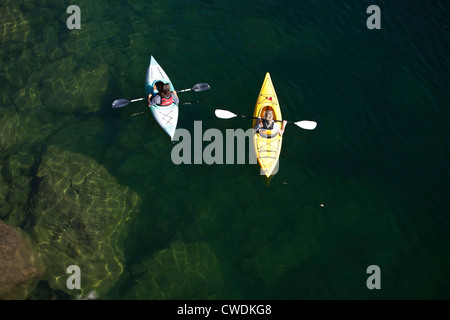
377,160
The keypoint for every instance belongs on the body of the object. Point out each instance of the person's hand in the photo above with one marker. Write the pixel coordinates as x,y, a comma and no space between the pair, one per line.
284,123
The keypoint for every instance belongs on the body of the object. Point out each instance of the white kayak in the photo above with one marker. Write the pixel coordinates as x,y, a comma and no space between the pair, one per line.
166,116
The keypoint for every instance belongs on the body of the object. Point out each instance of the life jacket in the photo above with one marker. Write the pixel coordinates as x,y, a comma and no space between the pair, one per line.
166,101
268,133
266,126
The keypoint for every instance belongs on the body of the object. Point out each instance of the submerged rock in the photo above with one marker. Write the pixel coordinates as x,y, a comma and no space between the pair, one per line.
24,129
81,219
74,90
26,97
15,26
21,264
180,271
15,188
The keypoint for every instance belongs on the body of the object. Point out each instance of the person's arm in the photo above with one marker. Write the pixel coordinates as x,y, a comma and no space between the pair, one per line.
281,131
149,99
175,97
154,100
152,95
258,124
155,90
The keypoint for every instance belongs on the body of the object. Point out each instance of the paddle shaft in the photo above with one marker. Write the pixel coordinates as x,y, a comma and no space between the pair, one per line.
261,118
197,88
309,125
134,100
304,124
139,99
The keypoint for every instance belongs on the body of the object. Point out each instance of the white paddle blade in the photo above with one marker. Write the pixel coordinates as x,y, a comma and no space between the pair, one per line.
224,114
306,124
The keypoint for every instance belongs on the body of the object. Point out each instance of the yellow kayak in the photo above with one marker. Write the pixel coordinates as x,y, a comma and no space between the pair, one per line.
267,147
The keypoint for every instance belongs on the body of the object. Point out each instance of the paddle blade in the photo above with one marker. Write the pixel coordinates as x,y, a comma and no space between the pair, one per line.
201,87
120,103
306,124
224,114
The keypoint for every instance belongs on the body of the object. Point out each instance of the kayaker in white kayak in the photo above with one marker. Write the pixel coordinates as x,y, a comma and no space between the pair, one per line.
268,126
164,97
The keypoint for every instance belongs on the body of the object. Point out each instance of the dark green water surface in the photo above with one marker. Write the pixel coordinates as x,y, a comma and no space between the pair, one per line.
96,187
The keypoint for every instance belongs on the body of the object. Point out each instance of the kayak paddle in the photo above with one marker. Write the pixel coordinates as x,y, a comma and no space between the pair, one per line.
199,87
304,124
124,102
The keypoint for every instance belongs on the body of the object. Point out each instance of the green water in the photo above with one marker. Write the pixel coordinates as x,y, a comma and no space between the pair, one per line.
96,187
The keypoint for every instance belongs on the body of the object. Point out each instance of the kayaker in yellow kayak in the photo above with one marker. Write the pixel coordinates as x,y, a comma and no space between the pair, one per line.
268,126
163,97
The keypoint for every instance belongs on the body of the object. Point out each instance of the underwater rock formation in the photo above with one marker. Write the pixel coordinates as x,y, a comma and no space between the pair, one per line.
22,129
20,263
81,219
15,27
180,271
15,181
74,90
